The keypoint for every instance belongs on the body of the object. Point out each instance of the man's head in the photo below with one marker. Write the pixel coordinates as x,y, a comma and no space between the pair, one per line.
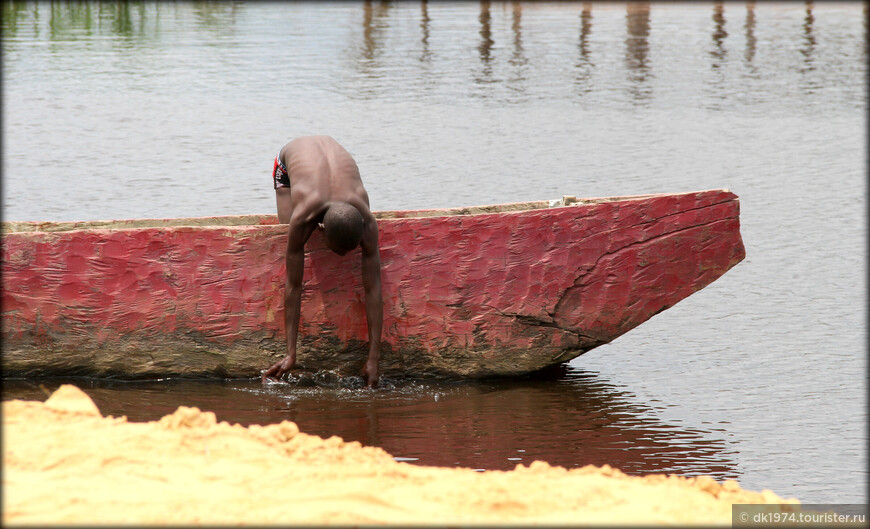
342,227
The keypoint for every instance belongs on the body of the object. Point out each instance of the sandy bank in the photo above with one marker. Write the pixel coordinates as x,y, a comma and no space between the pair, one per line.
65,463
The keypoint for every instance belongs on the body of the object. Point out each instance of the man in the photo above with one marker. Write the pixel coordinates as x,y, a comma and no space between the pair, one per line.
318,186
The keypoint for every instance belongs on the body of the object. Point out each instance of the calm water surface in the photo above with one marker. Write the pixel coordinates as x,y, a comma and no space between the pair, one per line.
565,416
120,110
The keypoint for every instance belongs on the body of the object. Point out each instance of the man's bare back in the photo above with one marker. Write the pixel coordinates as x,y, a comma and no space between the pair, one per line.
321,171
318,185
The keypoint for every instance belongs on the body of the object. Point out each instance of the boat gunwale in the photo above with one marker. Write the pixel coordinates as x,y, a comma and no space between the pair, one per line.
250,221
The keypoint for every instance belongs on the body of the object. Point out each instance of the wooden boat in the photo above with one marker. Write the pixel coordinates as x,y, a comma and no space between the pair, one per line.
470,292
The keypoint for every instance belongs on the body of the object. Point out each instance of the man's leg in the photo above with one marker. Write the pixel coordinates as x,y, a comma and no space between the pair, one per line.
285,206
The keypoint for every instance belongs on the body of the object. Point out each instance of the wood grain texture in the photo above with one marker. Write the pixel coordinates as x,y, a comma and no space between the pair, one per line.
489,292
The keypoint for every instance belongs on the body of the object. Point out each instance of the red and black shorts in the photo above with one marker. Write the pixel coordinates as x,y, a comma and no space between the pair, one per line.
280,178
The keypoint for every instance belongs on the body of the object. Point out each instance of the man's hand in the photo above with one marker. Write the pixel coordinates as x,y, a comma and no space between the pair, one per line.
279,369
370,373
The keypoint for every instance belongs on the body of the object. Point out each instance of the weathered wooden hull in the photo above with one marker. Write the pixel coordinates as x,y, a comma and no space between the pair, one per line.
496,290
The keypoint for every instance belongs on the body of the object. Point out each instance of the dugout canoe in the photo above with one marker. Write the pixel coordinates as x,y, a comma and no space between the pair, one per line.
468,292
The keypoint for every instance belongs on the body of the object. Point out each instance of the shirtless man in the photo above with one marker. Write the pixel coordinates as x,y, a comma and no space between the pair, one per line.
318,186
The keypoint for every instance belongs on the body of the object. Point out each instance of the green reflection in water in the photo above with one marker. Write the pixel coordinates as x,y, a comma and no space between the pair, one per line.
74,20
12,14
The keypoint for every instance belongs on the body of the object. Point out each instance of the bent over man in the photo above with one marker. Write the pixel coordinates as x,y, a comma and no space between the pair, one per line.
318,186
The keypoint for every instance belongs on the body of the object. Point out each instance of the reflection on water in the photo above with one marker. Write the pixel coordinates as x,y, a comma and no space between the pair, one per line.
518,58
719,34
486,42
809,39
374,24
137,23
749,25
584,63
637,47
425,54
566,417
80,20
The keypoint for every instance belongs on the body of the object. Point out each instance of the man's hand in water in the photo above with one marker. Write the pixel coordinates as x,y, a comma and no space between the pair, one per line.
279,369
370,373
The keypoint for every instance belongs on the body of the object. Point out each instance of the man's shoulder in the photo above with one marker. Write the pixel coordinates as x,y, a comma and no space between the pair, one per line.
308,208
360,202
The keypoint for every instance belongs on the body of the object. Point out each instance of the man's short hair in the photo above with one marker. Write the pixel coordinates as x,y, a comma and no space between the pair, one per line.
343,226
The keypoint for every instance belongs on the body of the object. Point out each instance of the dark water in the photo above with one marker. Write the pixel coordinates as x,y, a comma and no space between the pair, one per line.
564,416
140,109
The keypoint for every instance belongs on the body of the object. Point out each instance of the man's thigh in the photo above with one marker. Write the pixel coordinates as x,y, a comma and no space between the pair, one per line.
285,206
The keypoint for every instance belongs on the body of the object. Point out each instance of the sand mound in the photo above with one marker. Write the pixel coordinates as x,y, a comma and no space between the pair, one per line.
71,399
65,463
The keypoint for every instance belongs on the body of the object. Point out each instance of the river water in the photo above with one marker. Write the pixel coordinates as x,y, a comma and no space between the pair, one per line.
141,109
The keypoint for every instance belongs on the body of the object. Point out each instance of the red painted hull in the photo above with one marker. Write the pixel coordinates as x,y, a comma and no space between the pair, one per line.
467,292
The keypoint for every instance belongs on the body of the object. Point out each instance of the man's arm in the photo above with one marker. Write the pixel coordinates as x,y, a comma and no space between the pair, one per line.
295,260
371,276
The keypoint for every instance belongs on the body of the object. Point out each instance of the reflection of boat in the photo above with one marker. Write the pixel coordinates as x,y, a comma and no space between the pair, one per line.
490,290
562,415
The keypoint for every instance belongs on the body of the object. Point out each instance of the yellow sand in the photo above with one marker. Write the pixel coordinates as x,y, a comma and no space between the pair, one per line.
65,463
